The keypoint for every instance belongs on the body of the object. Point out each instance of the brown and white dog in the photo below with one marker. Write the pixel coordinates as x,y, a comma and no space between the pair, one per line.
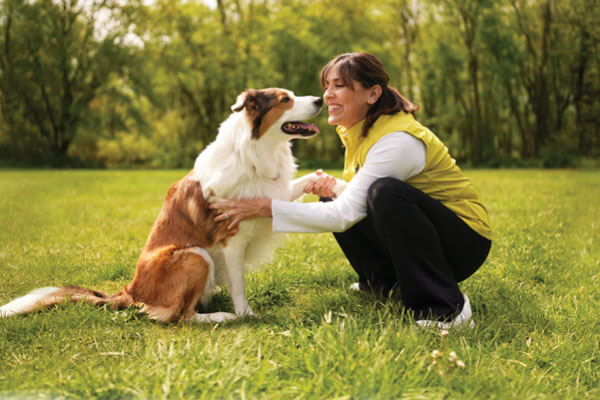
187,254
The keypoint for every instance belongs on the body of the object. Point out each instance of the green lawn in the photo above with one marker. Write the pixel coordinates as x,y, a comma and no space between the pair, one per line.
536,303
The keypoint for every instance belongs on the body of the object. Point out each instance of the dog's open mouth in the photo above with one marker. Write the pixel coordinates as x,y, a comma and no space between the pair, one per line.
300,128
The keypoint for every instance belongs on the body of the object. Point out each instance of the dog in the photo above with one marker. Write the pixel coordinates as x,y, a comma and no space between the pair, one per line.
187,254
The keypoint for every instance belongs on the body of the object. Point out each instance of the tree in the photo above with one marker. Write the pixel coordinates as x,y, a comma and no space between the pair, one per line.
467,16
535,72
150,83
583,16
55,58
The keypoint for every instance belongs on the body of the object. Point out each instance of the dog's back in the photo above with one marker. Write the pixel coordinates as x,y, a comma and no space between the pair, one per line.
174,268
185,219
172,271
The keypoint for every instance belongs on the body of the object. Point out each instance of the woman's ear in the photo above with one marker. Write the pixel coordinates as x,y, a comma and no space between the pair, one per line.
374,94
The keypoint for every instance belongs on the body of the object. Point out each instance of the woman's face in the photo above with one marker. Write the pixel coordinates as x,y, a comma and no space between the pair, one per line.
347,105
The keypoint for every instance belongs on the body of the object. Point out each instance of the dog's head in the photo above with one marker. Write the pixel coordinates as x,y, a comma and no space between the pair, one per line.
278,112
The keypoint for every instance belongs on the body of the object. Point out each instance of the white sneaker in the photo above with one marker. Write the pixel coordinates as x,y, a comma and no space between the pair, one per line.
463,319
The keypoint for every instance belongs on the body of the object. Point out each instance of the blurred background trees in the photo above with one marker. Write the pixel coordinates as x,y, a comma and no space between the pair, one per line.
147,83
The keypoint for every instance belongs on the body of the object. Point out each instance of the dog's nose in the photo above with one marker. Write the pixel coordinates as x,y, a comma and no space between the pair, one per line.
319,102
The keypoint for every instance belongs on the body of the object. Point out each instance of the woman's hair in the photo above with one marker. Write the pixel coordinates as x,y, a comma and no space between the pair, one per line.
369,71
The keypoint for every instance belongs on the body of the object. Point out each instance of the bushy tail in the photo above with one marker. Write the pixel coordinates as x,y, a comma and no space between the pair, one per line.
49,296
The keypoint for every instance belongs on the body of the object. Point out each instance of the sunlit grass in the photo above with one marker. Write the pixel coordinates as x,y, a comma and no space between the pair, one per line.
536,303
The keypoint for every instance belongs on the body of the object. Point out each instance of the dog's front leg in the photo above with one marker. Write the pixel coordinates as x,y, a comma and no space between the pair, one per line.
234,261
299,184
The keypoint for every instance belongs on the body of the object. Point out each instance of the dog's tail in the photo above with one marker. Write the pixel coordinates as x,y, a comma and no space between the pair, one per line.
49,296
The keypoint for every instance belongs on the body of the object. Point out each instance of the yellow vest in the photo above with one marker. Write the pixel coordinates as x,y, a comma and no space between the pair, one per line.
441,178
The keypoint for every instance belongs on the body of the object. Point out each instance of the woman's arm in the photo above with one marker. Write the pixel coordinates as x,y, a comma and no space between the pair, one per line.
397,154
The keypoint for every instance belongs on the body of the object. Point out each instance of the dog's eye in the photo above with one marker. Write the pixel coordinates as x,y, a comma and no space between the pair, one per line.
285,99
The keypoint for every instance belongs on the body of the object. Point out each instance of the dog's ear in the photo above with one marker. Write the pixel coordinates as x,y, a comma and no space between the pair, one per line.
246,100
239,103
257,103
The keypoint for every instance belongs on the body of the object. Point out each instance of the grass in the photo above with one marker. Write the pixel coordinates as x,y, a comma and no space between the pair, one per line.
536,303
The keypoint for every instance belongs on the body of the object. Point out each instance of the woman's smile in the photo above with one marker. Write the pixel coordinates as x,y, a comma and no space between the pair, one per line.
333,108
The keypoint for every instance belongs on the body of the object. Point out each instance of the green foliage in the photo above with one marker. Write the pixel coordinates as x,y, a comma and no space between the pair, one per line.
535,302
56,59
496,80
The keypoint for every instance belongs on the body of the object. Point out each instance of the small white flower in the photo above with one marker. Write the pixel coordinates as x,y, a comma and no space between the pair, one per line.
452,356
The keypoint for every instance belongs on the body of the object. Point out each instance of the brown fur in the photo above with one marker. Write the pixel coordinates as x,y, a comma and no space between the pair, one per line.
185,219
264,108
170,277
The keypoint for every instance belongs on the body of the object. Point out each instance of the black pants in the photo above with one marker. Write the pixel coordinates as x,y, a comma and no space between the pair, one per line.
411,241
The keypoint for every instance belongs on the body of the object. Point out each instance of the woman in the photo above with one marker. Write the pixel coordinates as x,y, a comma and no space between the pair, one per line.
408,218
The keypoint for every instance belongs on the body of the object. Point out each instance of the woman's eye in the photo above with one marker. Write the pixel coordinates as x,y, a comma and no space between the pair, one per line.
285,99
336,86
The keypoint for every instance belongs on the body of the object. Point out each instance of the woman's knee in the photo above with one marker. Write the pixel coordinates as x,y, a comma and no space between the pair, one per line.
383,190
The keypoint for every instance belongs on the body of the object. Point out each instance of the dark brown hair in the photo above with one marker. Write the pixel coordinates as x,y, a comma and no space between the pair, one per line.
366,69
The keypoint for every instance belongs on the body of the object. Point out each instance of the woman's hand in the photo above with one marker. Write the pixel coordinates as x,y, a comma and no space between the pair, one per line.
238,210
322,187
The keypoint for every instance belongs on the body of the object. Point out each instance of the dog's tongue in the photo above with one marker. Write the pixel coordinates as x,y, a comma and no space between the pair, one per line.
300,128
308,127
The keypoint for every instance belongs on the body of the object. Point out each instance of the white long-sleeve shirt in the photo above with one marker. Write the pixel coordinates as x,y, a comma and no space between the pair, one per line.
398,155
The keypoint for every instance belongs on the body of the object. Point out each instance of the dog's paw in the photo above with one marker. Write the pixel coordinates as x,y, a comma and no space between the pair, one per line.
222,316
245,312
339,187
214,317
